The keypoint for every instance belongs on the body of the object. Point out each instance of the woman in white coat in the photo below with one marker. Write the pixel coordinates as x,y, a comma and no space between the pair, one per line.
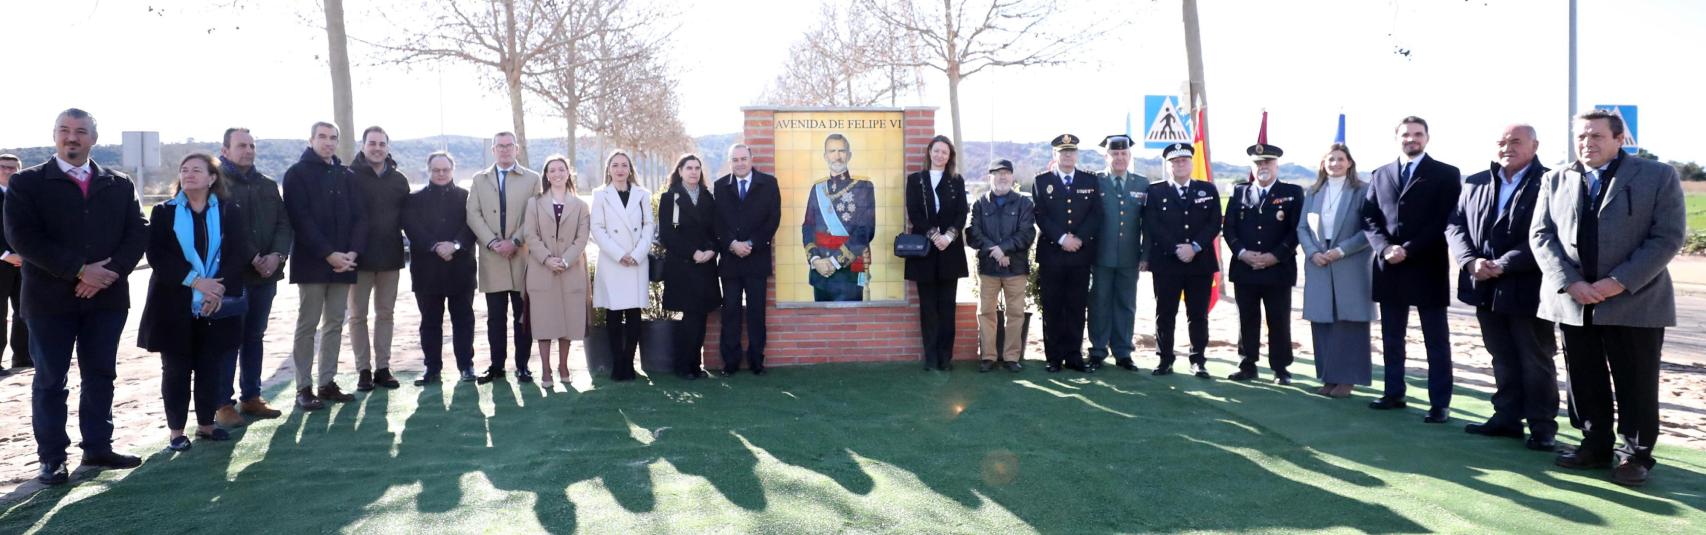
623,227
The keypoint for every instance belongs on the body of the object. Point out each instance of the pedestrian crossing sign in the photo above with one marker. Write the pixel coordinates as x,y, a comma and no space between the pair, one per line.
1166,124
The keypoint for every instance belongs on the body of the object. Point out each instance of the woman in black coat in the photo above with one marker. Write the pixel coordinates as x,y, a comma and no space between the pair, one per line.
936,209
686,217
197,249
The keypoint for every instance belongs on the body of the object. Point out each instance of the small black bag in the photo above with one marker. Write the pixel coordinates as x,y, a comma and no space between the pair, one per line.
909,245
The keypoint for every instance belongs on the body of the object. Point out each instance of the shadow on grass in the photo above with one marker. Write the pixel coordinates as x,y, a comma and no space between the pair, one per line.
852,447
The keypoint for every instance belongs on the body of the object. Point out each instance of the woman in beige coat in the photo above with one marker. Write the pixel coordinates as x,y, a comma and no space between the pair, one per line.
556,230
623,225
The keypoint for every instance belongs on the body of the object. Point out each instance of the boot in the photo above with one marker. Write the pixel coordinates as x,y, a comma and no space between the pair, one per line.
382,377
257,408
364,382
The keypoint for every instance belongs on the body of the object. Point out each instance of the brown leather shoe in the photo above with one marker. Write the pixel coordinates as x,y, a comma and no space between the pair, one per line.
306,400
331,392
364,381
256,407
1630,474
228,418
1341,391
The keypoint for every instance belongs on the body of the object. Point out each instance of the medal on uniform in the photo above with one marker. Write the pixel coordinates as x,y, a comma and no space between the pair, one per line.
1280,216
1049,189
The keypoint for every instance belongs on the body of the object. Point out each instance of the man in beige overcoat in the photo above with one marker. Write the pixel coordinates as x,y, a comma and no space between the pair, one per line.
497,206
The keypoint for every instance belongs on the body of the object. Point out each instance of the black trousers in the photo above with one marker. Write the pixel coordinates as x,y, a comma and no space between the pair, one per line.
1066,299
496,302
623,328
1632,356
20,333
461,307
176,377
690,343
1525,376
1196,288
936,321
1274,301
1436,337
752,287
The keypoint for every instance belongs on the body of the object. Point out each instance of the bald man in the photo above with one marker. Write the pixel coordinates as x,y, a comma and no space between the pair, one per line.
1496,274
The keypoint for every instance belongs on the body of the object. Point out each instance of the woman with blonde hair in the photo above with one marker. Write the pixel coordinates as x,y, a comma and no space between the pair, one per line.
623,226
1338,290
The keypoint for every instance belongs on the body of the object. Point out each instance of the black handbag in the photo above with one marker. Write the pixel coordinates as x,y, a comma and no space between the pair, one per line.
909,245
231,307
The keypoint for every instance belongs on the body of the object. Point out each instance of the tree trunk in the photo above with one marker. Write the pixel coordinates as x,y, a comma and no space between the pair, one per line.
515,113
343,101
953,65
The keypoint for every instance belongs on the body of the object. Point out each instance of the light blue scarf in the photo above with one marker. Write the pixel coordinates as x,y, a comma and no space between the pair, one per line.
183,225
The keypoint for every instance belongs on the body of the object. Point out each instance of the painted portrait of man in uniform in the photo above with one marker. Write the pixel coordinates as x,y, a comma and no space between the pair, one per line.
840,221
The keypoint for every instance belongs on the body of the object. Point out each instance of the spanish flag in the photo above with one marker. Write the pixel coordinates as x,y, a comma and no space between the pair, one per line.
1201,169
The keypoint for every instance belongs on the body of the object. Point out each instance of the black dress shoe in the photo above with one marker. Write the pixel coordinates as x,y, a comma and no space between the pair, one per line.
725,372
1127,365
524,376
1582,459
1282,377
1163,370
53,474
1630,473
760,371
1014,366
112,460
1437,416
491,375
1052,368
1540,444
382,378
1084,368
1093,365
985,366
364,381
468,376
1242,375
700,374
1491,430
1200,371
1386,404
427,380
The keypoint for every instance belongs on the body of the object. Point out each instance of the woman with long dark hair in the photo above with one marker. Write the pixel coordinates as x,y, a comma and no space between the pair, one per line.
1337,285
936,209
686,228
556,230
193,315
623,225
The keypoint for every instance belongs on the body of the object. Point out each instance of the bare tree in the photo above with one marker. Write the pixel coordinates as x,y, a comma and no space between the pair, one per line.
961,38
848,59
511,38
343,97
640,112
597,44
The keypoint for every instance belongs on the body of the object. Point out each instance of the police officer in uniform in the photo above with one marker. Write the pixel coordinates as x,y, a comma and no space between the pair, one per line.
1181,220
1261,232
1119,252
1067,214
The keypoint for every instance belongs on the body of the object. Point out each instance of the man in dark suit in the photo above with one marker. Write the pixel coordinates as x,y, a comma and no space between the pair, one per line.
441,270
11,280
1604,229
81,232
1496,274
1261,232
1181,221
329,218
1067,213
749,208
1409,202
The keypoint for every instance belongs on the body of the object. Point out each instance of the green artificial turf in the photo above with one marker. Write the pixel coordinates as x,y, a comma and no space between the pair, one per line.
870,448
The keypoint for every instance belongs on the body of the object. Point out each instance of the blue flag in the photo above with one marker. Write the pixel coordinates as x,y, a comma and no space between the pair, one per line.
1340,138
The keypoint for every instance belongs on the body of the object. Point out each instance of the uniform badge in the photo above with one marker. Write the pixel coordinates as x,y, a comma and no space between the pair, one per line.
1201,193
1049,190
1280,216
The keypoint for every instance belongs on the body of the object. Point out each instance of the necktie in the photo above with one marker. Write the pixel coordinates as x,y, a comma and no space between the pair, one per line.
81,175
1066,179
1593,185
1119,184
1404,179
743,189
503,205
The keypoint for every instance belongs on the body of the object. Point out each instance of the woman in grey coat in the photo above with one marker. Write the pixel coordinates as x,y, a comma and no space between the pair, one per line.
1337,286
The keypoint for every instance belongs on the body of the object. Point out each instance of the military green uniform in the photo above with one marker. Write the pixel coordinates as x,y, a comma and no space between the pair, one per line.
1113,286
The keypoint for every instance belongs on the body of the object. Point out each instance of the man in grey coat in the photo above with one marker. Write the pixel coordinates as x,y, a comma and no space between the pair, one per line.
1605,227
